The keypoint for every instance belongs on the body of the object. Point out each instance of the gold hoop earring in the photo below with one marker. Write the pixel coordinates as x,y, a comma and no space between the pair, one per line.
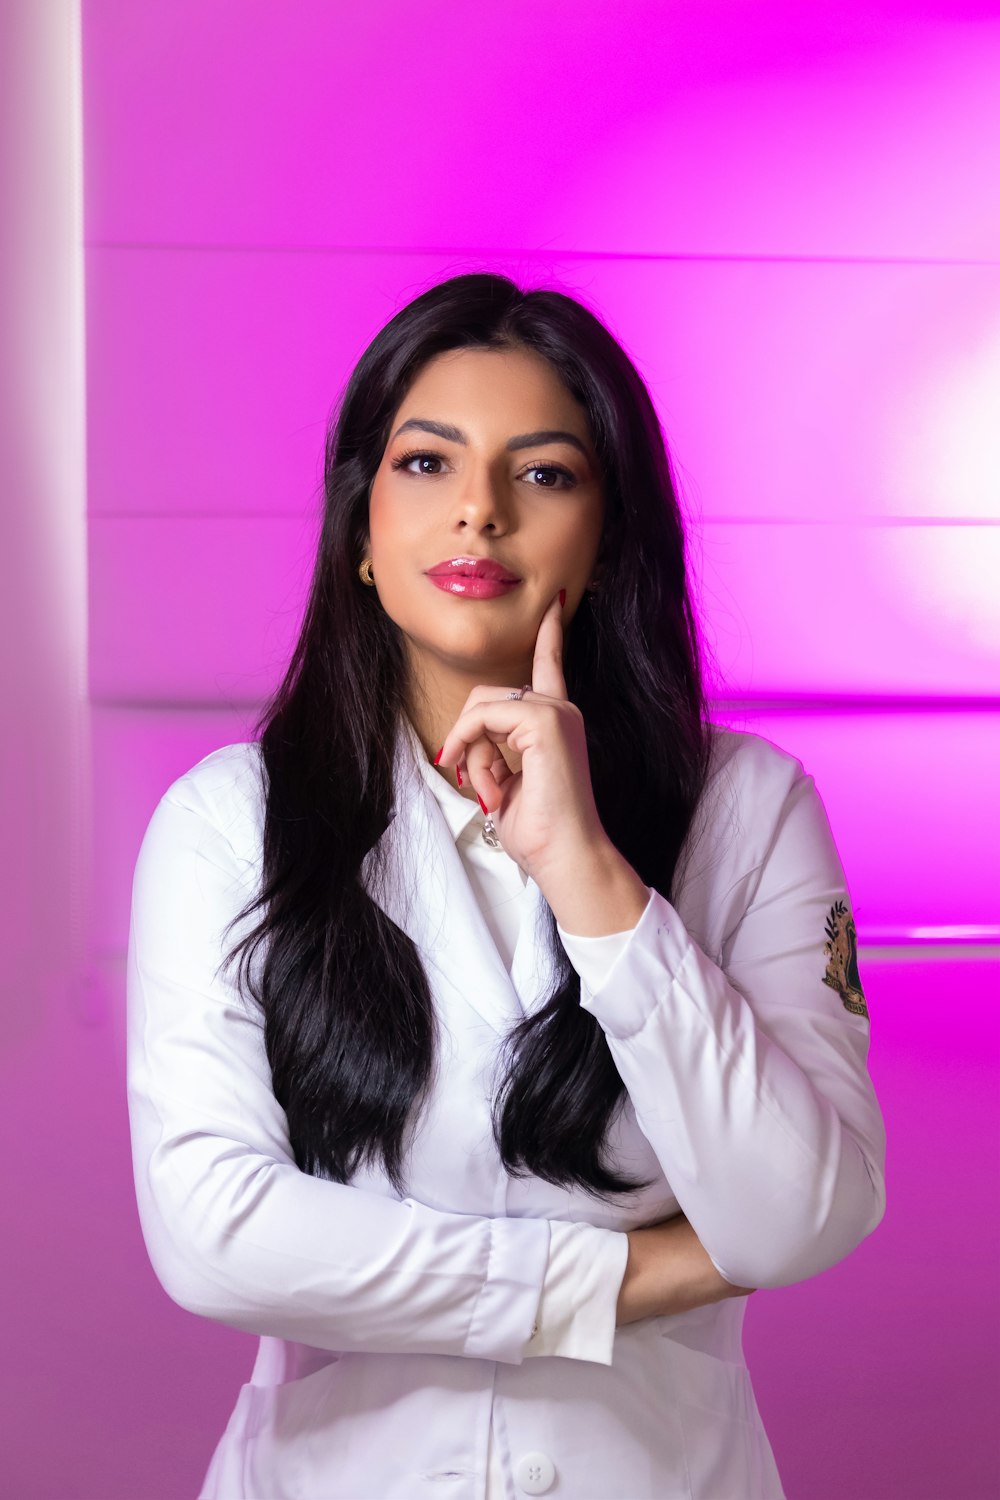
365,572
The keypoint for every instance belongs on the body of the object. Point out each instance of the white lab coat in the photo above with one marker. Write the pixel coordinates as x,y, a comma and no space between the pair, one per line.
394,1331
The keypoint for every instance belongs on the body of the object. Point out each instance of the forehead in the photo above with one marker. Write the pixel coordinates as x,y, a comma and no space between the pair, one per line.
492,387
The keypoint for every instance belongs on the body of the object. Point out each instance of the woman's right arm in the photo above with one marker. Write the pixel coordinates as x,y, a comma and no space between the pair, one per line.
669,1271
235,1231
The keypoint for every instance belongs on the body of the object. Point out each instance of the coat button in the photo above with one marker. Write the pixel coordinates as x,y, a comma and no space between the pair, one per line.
535,1473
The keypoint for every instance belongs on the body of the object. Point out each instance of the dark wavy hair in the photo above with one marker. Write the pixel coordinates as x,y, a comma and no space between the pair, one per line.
349,1021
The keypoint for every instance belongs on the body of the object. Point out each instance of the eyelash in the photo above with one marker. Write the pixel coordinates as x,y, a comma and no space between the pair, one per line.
407,458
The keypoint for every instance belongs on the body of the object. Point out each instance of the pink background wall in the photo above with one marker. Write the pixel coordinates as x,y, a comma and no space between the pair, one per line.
789,215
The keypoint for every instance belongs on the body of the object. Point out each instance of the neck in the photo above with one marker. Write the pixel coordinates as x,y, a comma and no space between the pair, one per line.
437,696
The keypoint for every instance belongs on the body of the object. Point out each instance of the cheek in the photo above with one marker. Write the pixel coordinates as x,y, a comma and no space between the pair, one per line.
400,549
393,529
580,538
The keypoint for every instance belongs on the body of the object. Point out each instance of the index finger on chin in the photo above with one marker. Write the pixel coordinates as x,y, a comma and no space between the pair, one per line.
546,667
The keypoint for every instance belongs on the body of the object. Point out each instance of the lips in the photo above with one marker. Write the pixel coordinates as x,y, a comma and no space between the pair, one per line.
473,567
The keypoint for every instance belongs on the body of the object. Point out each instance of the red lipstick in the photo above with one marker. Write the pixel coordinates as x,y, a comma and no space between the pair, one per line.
473,577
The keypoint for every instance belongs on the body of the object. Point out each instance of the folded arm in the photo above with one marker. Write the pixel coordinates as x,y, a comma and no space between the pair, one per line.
234,1230
749,1077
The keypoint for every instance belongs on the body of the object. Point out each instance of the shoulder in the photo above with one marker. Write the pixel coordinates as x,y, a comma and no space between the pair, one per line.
226,789
751,764
750,780
199,859
753,789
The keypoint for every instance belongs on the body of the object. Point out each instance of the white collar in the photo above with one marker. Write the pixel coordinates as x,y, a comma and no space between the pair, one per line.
458,811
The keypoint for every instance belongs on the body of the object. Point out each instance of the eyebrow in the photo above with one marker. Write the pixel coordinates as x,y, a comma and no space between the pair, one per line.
524,440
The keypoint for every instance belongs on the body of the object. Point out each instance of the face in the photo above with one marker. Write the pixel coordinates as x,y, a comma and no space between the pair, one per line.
489,457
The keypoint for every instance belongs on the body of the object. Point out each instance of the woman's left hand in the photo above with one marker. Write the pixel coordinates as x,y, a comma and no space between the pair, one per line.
544,814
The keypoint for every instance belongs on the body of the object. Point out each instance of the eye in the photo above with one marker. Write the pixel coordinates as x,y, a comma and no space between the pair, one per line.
405,459
554,472
551,474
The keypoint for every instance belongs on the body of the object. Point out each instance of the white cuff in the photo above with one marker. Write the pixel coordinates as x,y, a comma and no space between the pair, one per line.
593,957
578,1308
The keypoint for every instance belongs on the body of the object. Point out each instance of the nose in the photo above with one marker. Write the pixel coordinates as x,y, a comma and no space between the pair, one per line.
483,504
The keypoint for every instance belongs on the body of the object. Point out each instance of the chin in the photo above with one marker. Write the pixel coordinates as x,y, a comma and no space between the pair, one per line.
494,656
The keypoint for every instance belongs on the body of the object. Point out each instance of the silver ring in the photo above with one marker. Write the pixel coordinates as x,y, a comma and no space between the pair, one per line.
518,693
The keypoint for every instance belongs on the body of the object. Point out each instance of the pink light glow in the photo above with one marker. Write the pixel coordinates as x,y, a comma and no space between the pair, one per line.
788,214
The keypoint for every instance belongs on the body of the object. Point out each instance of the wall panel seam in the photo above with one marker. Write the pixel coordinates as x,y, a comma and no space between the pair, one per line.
547,256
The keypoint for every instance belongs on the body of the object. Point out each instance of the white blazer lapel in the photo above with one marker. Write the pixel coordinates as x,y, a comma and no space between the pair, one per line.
533,971
428,895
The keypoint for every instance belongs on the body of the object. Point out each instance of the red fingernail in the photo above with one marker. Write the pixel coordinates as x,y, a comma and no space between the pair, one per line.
459,775
439,755
562,596
482,804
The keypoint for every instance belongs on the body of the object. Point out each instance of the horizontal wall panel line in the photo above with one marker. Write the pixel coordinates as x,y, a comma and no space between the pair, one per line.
179,705
300,513
790,703
286,513
548,256
718,519
917,953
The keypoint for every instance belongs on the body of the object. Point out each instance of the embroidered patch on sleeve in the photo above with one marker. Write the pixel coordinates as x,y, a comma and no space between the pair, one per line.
842,959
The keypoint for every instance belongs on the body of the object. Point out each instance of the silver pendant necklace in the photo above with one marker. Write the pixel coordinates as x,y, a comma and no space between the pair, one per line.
490,833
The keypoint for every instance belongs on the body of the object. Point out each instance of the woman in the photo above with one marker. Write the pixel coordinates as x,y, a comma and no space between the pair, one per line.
494,1020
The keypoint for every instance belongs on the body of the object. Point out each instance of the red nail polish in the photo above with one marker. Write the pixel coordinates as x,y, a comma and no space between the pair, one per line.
482,804
459,775
562,596
439,755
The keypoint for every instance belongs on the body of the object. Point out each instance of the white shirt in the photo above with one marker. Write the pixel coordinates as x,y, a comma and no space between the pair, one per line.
579,1302
393,1331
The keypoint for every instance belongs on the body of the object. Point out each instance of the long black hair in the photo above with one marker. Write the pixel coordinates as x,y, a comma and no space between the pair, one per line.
349,1021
